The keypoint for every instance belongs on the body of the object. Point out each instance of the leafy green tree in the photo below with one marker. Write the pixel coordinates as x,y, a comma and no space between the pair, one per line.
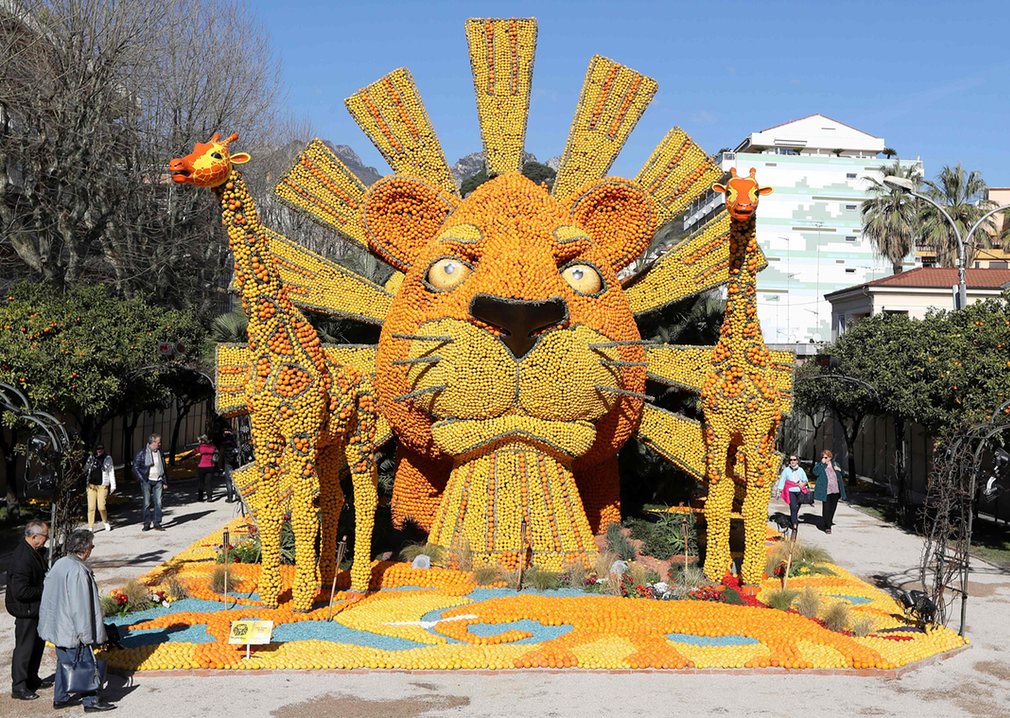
965,197
891,216
86,356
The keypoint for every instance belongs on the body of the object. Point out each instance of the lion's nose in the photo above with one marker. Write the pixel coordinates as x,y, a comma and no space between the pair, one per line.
518,319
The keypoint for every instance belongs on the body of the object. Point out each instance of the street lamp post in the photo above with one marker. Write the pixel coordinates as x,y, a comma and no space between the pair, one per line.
904,184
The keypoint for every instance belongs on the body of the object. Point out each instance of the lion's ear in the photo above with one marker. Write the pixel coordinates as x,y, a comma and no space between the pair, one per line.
401,215
619,217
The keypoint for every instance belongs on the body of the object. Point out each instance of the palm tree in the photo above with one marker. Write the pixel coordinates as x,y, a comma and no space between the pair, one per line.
891,216
963,195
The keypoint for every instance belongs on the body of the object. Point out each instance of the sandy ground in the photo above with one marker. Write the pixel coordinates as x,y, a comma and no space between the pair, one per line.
974,682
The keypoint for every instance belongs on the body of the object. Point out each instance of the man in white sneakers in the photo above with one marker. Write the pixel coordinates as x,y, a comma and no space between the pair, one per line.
149,468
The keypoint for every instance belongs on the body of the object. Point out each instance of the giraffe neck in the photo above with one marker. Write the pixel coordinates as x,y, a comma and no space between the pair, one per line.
741,304
255,273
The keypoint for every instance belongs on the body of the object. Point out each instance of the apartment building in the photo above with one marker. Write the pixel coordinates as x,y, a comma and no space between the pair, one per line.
810,228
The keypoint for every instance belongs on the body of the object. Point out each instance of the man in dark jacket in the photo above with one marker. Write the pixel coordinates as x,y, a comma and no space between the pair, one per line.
25,577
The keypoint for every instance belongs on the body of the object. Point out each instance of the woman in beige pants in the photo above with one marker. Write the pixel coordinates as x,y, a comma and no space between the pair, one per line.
101,483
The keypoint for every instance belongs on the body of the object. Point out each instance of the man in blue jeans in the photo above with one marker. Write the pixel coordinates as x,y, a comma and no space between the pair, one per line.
149,468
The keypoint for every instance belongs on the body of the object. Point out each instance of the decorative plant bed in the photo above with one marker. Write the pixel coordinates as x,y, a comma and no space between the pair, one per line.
441,619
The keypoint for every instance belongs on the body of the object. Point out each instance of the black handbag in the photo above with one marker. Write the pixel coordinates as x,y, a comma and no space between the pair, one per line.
85,674
806,498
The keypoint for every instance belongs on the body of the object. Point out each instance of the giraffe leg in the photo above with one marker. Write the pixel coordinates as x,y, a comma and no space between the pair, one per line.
755,518
304,521
360,454
269,456
719,504
330,465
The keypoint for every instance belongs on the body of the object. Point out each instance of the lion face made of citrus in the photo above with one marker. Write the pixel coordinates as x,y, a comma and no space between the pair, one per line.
510,327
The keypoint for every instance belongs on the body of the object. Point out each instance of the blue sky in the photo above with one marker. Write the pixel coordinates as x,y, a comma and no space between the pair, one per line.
932,78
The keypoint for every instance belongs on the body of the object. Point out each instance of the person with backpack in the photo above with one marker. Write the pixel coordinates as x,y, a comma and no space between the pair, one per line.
207,467
101,475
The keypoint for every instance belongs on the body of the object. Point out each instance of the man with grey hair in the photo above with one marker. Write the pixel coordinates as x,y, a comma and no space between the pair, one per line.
25,575
149,468
70,616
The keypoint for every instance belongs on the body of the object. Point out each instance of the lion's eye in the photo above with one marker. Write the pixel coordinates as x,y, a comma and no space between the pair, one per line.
447,273
583,278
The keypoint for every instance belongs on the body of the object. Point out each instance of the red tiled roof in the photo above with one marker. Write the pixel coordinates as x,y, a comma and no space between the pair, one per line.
944,277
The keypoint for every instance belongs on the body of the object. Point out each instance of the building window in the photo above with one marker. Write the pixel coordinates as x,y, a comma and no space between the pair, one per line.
850,271
850,206
929,261
997,265
771,164
850,238
850,175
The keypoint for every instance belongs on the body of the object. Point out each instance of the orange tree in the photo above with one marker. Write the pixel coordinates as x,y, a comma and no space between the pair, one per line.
86,355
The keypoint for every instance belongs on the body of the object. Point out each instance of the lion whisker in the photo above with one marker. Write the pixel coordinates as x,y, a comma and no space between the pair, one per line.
419,360
624,392
425,338
421,392
622,343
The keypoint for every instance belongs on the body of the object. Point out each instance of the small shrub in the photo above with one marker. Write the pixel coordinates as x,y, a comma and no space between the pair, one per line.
461,555
217,579
811,554
175,589
542,580
781,598
806,561
110,607
808,602
137,594
862,627
604,560
619,544
836,617
486,574
641,575
574,575
663,536
433,551
686,579
511,578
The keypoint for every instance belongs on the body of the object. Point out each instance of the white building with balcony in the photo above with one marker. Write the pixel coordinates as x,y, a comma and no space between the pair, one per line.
810,228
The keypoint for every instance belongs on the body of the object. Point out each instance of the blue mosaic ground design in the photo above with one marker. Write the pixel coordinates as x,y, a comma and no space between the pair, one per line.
712,640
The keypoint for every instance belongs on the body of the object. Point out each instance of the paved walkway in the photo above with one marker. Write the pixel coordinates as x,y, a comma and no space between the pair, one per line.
975,682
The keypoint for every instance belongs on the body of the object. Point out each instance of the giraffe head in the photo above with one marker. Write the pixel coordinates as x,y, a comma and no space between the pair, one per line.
209,164
741,194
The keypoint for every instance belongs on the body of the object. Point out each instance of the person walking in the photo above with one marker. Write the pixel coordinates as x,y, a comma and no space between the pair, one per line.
791,485
25,575
101,475
829,489
206,467
70,617
149,468
230,454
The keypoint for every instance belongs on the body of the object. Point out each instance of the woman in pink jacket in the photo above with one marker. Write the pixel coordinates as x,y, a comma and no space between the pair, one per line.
205,450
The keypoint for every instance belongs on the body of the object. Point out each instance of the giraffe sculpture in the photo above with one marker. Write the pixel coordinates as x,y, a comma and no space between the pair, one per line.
742,407
309,419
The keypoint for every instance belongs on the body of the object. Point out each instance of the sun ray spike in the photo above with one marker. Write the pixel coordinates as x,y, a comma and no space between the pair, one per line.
677,172
322,187
676,438
501,58
612,101
391,113
698,263
321,285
